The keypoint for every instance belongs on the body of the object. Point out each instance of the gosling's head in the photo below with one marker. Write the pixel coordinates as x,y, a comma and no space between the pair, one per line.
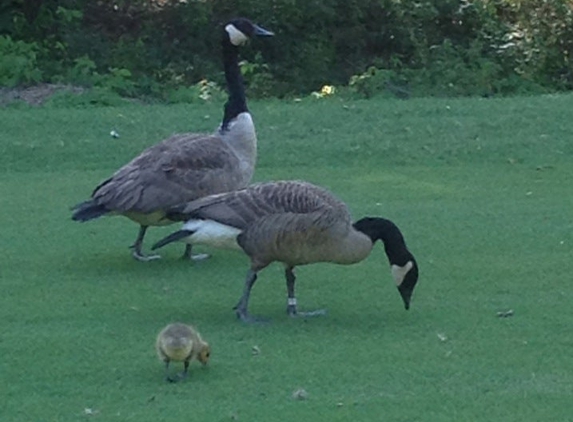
204,353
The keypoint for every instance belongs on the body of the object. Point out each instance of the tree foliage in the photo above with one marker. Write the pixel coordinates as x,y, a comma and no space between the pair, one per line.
435,47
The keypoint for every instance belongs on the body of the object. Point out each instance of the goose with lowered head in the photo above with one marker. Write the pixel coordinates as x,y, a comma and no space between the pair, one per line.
185,166
181,343
295,223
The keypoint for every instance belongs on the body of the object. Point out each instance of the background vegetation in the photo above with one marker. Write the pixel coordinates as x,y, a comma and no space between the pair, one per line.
163,48
480,187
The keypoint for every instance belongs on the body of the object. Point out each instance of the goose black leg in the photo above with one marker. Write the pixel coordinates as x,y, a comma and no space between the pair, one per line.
291,301
137,254
185,372
241,307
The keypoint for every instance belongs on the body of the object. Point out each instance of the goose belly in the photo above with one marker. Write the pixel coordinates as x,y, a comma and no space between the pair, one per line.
302,255
293,251
177,353
156,218
212,233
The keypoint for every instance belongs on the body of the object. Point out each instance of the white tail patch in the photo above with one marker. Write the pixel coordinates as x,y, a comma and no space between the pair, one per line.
399,273
236,36
212,233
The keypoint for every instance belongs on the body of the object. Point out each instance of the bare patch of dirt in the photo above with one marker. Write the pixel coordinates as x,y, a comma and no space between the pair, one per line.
35,95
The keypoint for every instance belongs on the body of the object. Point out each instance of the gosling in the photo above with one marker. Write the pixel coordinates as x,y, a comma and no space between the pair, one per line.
181,343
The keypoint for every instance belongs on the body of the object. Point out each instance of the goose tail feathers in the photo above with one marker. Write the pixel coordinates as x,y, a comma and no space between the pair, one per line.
173,237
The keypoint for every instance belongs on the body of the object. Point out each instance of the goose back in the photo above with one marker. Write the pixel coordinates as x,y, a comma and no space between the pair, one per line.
181,168
292,222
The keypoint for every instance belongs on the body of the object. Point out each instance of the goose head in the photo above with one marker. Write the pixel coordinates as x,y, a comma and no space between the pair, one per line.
402,263
239,30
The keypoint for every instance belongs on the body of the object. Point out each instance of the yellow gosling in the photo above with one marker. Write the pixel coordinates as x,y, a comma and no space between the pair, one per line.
181,343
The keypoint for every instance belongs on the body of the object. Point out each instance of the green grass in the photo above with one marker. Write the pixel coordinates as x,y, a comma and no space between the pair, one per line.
480,188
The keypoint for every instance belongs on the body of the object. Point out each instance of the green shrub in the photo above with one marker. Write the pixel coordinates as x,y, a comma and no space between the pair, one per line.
18,64
258,78
93,97
83,72
203,91
423,47
119,81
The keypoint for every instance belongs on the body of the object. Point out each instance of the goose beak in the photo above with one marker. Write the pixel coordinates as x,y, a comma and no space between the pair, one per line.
262,32
173,237
406,295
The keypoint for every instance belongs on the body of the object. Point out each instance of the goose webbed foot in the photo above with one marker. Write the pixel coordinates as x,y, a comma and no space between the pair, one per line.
294,313
173,379
179,377
183,375
247,318
188,255
137,245
137,255
310,314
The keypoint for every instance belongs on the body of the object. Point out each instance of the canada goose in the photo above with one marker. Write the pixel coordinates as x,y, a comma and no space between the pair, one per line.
181,343
295,223
186,166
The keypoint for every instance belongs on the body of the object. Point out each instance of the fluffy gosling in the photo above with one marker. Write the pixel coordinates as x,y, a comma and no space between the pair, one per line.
181,343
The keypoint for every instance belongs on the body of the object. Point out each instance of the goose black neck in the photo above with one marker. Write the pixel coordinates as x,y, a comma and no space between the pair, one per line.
237,102
381,229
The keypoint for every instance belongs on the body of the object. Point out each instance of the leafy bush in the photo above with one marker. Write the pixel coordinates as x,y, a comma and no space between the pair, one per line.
18,64
93,97
163,48
203,91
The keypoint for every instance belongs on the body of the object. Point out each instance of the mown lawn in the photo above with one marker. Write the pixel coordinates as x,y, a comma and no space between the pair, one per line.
481,189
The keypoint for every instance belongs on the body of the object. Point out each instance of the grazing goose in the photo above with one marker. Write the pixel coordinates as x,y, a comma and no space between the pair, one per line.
295,223
181,343
186,166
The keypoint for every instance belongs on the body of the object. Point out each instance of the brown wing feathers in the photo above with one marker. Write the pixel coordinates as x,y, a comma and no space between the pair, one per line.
248,206
180,169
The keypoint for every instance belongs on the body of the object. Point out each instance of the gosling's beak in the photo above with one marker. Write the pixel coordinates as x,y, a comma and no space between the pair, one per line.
262,32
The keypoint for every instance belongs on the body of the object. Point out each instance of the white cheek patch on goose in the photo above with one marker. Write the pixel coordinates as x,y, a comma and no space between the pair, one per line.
399,273
236,36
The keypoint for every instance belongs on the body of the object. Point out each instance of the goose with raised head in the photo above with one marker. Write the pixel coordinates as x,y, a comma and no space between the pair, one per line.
185,166
295,223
